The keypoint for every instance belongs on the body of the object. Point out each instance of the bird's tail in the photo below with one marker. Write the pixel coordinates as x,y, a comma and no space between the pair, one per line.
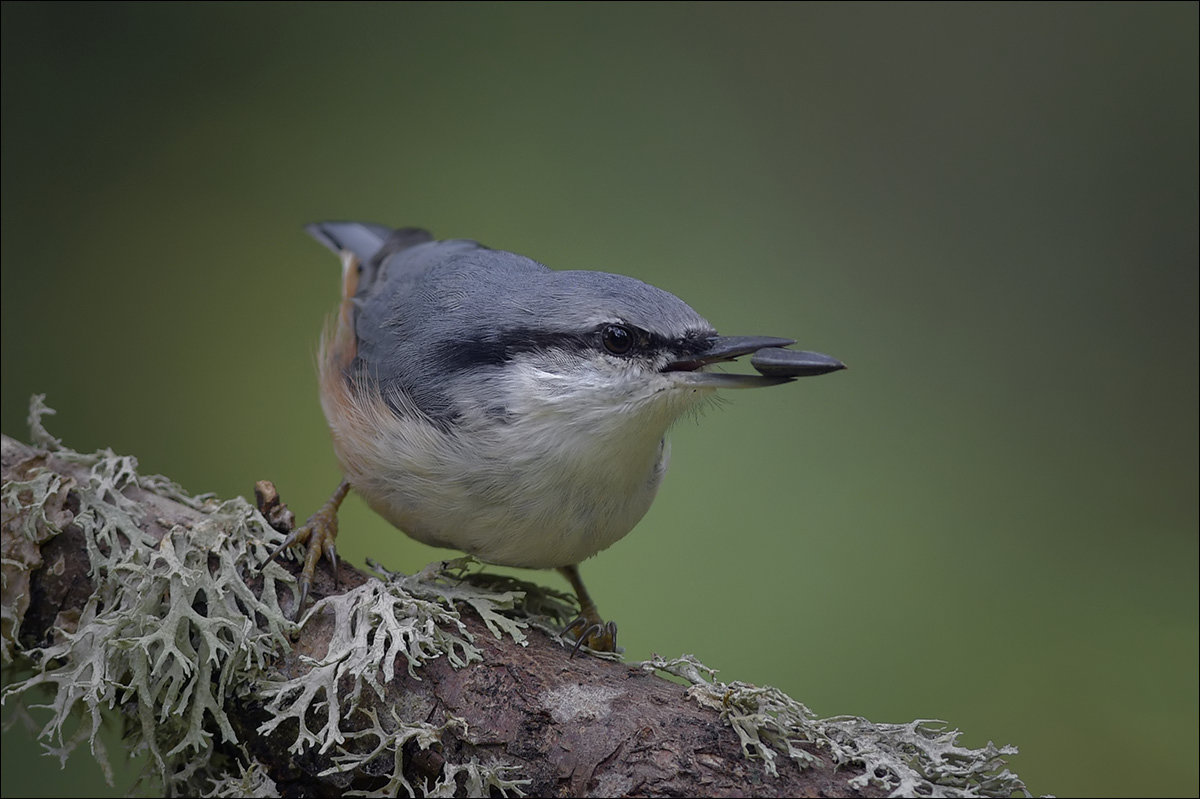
362,247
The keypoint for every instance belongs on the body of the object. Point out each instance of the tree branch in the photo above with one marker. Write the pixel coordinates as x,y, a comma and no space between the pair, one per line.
427,685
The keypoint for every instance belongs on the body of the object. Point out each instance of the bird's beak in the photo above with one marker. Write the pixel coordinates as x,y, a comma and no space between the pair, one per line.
776,364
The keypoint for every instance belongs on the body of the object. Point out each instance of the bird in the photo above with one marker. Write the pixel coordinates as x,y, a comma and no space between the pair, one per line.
481,401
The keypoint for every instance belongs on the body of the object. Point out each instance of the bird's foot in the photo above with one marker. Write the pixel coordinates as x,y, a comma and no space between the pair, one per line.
592,632
318,533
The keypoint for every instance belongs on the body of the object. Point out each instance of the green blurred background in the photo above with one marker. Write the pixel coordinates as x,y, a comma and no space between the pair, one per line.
988,211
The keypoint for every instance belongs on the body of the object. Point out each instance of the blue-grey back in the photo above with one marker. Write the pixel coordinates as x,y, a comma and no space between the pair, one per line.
429,311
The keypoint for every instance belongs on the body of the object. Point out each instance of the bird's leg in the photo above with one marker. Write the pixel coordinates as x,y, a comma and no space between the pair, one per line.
319,533
594,632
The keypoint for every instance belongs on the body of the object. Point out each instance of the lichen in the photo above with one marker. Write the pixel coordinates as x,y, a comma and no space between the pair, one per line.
21,548
921,758
248,781
373,626
767,721
385,741
174,630
173,627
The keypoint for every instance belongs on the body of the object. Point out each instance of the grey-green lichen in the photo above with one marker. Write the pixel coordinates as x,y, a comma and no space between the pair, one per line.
921,758
174,629
374,625
248,781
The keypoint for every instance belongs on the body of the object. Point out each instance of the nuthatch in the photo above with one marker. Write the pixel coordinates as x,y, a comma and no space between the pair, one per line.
483,402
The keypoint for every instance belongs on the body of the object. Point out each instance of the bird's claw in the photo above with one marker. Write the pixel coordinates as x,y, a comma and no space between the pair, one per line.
318,533
594,633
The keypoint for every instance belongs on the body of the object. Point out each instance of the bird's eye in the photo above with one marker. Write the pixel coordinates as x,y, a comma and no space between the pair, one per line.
617,339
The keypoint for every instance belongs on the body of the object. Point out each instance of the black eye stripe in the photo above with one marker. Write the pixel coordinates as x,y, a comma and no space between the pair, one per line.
498,347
